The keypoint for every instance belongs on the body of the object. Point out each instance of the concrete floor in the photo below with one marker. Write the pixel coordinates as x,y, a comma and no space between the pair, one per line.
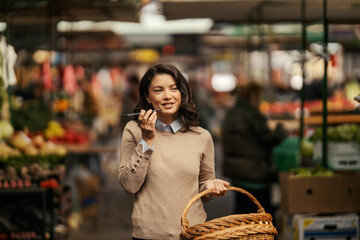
113,218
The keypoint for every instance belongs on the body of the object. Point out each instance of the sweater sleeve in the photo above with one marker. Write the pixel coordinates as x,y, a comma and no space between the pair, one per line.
134,162
207,164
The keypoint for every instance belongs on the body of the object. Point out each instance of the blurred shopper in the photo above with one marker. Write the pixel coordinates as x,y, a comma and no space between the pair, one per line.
314,90
165,157
203,103
247,144
90,104
131,97
357,98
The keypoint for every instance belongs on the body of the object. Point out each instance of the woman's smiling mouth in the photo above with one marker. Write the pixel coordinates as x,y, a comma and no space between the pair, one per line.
167,105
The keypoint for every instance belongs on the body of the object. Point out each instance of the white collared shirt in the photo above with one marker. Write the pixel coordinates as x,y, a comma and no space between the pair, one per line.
173,127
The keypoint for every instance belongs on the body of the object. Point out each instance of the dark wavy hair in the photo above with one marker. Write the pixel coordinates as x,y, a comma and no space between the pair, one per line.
188,113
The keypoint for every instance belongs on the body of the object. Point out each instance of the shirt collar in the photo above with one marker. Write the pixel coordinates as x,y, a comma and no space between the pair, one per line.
173,127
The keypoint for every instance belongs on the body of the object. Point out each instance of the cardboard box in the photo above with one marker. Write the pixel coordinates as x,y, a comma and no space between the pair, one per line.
340,227
338,194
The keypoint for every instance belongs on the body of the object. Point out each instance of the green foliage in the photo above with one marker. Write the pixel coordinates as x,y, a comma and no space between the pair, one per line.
357,136
341,133
33,115
62,95
47,162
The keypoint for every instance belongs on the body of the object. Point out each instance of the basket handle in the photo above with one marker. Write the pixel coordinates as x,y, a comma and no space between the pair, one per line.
185,222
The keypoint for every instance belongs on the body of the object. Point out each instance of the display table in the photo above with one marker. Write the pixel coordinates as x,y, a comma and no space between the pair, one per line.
84,164
87,148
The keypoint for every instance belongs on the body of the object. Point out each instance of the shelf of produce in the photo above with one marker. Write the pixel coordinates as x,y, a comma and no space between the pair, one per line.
332,119
315,120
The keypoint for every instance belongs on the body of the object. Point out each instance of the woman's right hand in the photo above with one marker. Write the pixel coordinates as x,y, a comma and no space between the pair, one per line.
147,120
219,187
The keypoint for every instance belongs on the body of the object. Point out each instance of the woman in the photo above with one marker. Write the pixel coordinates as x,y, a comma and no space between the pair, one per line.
166,159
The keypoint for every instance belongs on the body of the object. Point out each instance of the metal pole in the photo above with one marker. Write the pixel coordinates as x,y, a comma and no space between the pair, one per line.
6,14
7,35
324,92
43,199
303,61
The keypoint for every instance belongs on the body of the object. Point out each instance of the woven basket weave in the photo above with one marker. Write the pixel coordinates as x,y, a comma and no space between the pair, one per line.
252,226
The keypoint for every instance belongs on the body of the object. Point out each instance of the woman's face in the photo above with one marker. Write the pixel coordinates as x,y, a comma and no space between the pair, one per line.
164,95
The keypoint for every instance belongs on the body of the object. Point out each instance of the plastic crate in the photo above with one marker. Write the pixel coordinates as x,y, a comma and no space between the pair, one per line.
286,155
341,155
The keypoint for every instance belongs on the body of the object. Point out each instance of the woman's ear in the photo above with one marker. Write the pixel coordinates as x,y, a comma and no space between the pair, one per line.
148,99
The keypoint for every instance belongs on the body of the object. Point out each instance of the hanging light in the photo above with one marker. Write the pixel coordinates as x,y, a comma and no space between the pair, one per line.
296,82
223,82
2,26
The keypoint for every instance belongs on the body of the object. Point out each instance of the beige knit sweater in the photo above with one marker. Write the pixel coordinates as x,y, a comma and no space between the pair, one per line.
164,180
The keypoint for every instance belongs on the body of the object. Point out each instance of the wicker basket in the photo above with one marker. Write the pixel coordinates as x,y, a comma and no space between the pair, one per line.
253,226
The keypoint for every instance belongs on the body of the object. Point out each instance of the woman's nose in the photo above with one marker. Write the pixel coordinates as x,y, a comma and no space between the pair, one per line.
167,94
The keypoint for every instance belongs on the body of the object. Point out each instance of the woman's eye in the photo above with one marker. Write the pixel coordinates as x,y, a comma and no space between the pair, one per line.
174,88
157,90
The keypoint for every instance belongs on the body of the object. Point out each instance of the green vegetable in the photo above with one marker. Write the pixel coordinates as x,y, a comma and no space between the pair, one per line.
307,148
342,133
333,134
313,172
357,136
347,132
47,162
33,115
6,130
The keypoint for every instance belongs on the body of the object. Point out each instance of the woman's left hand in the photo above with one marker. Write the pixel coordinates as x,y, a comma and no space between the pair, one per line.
219,187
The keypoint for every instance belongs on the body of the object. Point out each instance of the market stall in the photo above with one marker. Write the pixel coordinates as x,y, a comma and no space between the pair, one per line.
45,132
61,103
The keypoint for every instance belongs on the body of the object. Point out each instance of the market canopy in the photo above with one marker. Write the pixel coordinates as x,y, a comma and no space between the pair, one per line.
40,11
32,23
265,11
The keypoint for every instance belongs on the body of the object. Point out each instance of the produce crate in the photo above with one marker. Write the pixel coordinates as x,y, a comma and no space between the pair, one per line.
25,212
337,227
341,155
336,194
